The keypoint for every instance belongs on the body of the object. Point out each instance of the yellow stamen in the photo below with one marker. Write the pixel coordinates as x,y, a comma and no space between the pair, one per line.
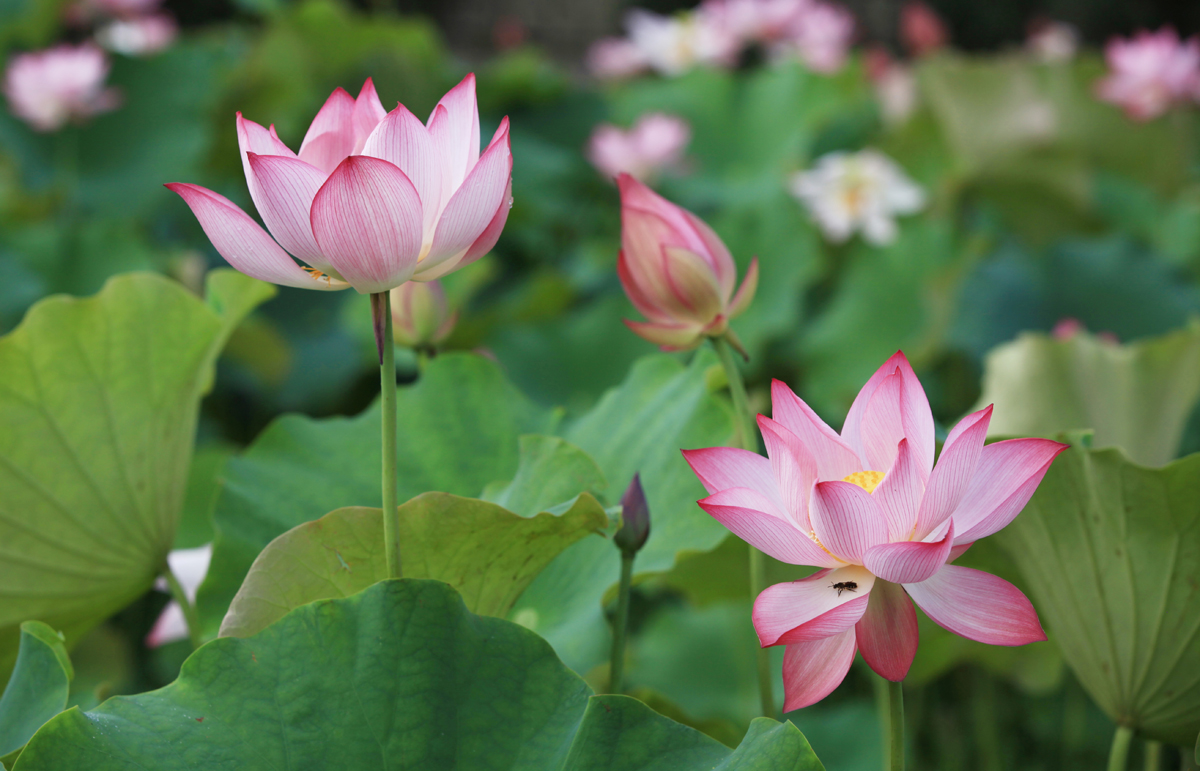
316,275
867,480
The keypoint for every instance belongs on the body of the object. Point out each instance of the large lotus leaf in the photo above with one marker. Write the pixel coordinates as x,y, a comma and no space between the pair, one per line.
457,432
1137,397
38,688
98,399
1109,550
399,676
485,551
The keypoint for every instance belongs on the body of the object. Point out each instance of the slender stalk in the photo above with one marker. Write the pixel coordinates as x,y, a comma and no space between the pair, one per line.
1118,756
387,394
189,608
1153,756
885,715
758,566
617,665
896,723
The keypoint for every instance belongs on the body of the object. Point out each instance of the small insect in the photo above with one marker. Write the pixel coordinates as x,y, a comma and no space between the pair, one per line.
844,586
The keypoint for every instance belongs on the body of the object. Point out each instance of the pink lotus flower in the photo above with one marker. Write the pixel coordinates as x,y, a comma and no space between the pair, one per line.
676,271
821,36
372,199
421,317
655,142
190,566
140,36
1151,72
755,21
921,29
883,523
615,58
48,88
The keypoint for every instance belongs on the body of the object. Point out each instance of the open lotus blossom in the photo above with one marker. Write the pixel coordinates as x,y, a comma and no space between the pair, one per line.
755,21
421,317
655,142
48,88
1052,41
615,57
863,191
676,271
190,566
373,199
821,36
1151,72
884,524
139,36
672,45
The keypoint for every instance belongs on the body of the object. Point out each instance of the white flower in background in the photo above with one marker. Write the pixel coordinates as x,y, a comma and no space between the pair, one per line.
821,36
656,141
672,45
615,58
895,86
140,36
48,88
190,566
863,191
1053,41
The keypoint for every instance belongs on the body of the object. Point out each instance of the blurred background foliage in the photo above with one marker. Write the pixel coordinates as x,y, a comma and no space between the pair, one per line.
1044,204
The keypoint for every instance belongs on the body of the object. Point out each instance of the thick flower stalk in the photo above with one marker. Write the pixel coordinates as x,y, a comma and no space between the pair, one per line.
421,316
884,524
857,192
1151,72
373,199
47,89
676,271
655,142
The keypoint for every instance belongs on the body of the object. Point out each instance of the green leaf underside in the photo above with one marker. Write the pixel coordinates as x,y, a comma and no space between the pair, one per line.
98,398
484,551
1137,397
38,688
400,676
1109,550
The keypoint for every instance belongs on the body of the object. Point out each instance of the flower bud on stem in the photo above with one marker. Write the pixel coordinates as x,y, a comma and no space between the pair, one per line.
635,529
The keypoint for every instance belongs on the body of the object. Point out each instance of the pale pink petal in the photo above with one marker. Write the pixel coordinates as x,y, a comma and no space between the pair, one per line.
491,234
330,136
1005,478
685,229
244,244
170,627
253,138
811,608
750,515
368,112
286,187
715,250
720,468
367,221
666,335
846,519
907,562
811,670
887,633
454,126
899,494
473,206
958,550
954,471
794,467
883,425
978,606
917,417
402,140
745,293
835,459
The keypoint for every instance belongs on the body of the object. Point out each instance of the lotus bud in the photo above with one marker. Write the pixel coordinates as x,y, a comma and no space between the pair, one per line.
421,317
635,517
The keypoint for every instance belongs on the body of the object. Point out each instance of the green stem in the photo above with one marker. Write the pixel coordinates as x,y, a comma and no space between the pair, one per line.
1118,756
617,662
885,716
387,392
1153,755
189,609
896,724
758,567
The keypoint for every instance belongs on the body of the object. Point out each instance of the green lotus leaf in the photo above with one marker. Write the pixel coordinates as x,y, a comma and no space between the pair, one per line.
1137,396
399,676
98,399
1109,551
37,690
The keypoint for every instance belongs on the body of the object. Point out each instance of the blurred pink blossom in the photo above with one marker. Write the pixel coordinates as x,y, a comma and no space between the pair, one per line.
190,566
140,36
1053,41
615,58
655,142
51,87
672,45
1068,327
1151,72
921,29
895,86
821,36
755,21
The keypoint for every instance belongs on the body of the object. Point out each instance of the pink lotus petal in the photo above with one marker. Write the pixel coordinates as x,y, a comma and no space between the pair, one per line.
683,229
745,293
1005,478
720,468
887,633
286,187
402,140
811,608
668,336
253,138
918,420
811,670
454,126
330,136
367,221
244,244
473,206
847,520
794,466
883,424
978,606
907,562
368,112
958,550
750,515
899,494
170,626
954,471
491,234
835,459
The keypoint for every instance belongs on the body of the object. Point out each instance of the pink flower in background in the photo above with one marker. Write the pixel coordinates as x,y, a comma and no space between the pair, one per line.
1053,41
1151,72
821,35
672,45
190,566
870,508
48,88
421,317
655,142
140,36
676,271
372,199
921,29
615,58
755,21
895,86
